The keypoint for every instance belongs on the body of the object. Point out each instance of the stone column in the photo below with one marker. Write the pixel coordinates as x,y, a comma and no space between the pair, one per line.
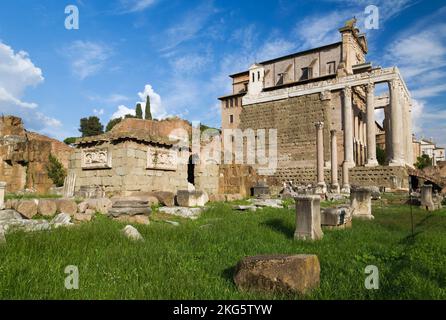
2,195
410,160
334,162
321,186
308,218
396,124
348,138
371,134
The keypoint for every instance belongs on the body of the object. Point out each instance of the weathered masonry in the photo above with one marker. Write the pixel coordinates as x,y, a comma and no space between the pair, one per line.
333,85
141,156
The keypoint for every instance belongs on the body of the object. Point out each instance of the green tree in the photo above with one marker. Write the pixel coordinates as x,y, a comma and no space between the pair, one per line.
56,171
138,111
148,111
423,162
112,123
380,156
70,140
91,127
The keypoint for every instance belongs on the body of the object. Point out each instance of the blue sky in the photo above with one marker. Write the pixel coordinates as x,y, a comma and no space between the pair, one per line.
181,53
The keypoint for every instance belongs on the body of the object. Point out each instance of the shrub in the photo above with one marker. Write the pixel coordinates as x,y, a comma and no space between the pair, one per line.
56,171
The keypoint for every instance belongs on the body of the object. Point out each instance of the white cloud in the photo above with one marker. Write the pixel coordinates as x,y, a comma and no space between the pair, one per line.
17,73
87,58
191,63
188,26
136,5
317,30
98,112
156,105
123,111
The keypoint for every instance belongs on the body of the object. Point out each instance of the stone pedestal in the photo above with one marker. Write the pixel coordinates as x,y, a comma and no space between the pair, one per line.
361,203
2,195
308,218
427,200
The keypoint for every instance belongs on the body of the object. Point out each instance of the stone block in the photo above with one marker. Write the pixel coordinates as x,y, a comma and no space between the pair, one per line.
335,216
144,220
361,203
165,198
66,206
187,198
47,208
278,274
427,200
308,218
27,208
217,198
116,212
132,233
82,217
9,214
183,212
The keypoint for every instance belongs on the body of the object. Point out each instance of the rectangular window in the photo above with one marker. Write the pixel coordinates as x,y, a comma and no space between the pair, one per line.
231,119
253,77
227,104
331,67
307,73
236,102
232,102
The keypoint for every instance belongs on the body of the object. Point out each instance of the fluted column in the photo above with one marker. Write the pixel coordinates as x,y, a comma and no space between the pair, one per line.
371,132
334,162
348,138
396,124
320,157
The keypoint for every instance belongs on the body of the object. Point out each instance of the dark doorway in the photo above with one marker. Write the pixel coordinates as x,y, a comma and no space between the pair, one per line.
191,170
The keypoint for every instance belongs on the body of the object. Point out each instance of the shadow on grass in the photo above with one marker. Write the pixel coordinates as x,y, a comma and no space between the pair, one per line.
229,273
280,226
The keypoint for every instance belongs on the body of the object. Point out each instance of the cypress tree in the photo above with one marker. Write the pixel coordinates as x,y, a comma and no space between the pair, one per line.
148,111
138,111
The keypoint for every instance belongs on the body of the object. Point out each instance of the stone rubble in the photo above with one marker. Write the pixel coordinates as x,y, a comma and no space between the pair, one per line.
132,233
183,212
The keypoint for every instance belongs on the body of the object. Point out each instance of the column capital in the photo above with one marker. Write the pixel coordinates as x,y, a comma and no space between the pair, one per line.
319,125
333,132
370,87
347,90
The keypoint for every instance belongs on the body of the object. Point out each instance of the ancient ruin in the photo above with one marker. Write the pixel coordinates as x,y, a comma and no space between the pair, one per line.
24,157
334,87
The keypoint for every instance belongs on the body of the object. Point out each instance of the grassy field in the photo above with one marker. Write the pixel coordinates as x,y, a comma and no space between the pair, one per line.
196,260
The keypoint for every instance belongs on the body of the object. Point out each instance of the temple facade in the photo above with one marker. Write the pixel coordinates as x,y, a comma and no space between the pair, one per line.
335,90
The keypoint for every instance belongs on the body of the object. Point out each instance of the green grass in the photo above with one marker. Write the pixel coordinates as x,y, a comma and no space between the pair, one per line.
197,259
29,196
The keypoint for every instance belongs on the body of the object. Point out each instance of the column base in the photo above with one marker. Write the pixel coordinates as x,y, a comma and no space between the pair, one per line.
349,164
345,189
335,188
371,163
396,163
321,188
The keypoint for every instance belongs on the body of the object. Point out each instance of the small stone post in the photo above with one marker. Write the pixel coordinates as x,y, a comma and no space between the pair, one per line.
2,195
321,186
361,203
427,201
308,218
334,163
